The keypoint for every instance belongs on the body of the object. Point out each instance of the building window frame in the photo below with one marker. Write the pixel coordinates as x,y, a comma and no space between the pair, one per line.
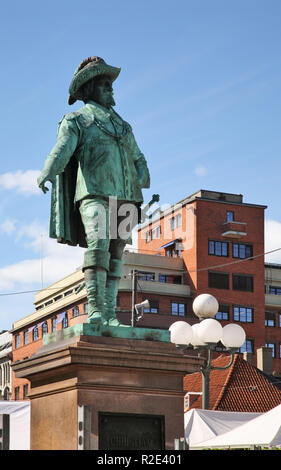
25,337
35,333
270,319
178,308
274,290
247,346
44,328
218,248
54,324
75,311
65,321
223,312
230,216
243,314
242,250
146,276
17,341
218,280
243,282
273,348
153,306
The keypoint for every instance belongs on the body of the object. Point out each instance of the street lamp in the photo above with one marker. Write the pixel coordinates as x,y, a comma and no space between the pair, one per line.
205,335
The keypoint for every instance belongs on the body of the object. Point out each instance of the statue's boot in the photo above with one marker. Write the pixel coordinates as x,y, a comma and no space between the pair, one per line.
95,267
111,291
95,281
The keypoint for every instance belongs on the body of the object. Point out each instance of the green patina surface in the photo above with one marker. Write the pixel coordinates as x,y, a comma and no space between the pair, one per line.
121,331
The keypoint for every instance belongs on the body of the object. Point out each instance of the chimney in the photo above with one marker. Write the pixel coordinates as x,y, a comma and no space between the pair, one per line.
247,356
264,360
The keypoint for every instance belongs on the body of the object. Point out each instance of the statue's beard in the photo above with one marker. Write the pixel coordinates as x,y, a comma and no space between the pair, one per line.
106,100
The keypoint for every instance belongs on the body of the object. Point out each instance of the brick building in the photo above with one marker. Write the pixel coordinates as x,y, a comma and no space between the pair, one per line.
221,242
209,242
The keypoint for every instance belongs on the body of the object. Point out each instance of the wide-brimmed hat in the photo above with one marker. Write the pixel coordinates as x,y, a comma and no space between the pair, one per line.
88,69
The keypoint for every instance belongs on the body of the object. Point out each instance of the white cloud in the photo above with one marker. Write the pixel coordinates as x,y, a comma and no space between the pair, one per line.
54,262
8,226
24,182
273,241
200,170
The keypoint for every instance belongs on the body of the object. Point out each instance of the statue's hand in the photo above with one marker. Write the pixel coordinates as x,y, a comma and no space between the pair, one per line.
41,183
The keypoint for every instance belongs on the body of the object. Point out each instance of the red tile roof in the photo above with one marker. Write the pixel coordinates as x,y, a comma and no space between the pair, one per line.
242,387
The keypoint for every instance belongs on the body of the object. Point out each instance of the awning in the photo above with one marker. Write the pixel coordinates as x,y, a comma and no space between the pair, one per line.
169,244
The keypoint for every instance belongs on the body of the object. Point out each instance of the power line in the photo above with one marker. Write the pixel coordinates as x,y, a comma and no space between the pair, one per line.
183,271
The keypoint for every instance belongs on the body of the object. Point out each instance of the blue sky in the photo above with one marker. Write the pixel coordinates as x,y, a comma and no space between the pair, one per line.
200,84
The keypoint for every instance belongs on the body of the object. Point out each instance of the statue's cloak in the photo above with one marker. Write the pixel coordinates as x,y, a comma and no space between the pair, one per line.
65,220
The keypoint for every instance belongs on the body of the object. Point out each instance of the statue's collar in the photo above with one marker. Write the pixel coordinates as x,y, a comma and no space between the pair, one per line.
100,111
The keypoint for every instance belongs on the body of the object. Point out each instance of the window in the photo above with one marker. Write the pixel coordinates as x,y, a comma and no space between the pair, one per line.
86,307
178,309
163,278
17,341
25,391
17,393
177,280
242,250
172,223
178,220
242,282
44,328
68,292
248,346
272,346
153,306
25,337
146,276
269,319
223,313
274,290
155,233
54,323
35,333
229,216
65,321
243,314
147,237
218,248
218,280
75,311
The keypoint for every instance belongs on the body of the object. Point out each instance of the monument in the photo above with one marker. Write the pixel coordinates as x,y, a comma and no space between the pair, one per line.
101,385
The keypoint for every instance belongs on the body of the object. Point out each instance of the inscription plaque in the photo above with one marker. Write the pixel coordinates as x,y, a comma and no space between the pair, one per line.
131,432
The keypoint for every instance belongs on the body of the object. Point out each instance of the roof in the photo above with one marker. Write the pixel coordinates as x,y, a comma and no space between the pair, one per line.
242,387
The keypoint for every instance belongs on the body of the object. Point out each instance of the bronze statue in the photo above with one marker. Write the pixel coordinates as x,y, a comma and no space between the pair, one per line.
95,159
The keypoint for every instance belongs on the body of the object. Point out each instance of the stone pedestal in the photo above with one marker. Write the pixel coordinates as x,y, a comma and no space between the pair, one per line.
85,386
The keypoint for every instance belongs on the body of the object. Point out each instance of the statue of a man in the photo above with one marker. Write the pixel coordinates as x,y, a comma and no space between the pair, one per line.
95,158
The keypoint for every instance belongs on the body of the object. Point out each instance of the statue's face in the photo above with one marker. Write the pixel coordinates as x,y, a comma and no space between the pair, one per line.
104,92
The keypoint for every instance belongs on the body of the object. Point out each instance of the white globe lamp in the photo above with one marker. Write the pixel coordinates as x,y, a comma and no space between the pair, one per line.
209,331
180,333
233,336
205,306
196,341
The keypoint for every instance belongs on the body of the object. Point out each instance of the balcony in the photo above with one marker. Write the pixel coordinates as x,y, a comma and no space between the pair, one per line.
234,229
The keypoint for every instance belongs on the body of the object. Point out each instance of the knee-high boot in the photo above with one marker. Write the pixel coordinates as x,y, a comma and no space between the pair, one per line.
111,291
95,280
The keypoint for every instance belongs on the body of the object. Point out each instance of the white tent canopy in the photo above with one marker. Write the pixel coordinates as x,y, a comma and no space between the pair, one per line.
19,412
263,431
201,425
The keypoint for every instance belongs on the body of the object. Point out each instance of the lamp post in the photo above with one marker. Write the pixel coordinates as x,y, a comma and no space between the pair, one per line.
205,335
